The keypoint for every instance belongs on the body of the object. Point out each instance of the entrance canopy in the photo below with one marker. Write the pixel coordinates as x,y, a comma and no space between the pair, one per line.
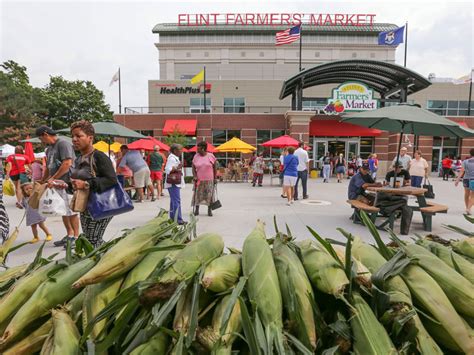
388,79
334,128
186,127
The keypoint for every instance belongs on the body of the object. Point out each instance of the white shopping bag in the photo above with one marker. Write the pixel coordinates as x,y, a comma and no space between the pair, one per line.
52,204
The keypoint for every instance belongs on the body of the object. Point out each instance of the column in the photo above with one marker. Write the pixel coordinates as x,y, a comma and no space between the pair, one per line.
298,124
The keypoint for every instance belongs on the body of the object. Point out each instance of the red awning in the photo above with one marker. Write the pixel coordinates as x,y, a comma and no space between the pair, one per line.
333,128
186,127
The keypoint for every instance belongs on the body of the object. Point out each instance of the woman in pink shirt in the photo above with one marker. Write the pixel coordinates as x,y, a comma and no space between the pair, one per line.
204,173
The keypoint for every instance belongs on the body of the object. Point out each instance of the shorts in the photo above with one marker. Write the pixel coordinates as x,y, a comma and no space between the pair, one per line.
340,170
289,180
468,184
156,175
142,178
67,199
22,177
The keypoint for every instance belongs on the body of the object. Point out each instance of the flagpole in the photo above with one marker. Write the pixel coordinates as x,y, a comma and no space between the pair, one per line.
120,91
470,96
406,43
301,43
205,90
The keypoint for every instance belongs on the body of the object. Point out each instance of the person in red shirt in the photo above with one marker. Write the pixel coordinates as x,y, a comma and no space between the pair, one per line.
446,166
16,170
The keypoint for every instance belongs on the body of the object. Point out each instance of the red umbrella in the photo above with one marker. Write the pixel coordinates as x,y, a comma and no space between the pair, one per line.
29,150
148,144
210,149
281,142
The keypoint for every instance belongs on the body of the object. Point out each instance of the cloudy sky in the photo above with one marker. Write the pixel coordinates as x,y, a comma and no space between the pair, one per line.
89,40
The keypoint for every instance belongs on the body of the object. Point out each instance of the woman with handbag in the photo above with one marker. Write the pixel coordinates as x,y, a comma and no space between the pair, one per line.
204,178
174,181
467,176
17,165
93,172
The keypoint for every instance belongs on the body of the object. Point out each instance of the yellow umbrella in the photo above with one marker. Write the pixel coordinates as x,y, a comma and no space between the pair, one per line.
235,145
102,146
115,147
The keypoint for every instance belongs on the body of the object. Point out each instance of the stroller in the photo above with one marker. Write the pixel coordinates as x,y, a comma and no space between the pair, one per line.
351,169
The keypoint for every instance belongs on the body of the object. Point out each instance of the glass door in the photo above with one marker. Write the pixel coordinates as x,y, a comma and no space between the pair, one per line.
436,159
320,149
352,150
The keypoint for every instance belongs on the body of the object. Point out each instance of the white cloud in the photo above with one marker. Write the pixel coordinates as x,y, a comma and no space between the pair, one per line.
90,39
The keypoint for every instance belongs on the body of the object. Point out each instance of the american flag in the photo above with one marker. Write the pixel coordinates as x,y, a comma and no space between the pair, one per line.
288,36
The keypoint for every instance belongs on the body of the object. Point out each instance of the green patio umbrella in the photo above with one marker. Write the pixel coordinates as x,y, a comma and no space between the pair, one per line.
112,129
408,119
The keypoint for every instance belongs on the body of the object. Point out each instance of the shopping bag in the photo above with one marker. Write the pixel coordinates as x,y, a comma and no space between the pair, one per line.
38,190
79,200
8,188
430,193
215,204
52,204
108,203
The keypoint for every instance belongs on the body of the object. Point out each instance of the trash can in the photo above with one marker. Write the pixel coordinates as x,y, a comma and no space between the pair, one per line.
314,174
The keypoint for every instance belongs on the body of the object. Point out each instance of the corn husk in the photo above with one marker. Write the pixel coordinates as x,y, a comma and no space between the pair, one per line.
464,267
13,272
363,275
22,290
263,287
157,344
210,337
74,306
182,316
124,255
5,247
464,247
32,343
297,293
222,273
429,294
458,289
187,262
48,295
370,337
96,298
325,273
64,338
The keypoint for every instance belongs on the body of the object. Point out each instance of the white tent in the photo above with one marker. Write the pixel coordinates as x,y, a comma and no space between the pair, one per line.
6,150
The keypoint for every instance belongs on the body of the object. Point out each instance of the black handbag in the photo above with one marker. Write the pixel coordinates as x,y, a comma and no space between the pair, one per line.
215,204
429,193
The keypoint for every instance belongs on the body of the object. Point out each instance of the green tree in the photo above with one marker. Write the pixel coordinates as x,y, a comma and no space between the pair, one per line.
69,101
176,137
21,105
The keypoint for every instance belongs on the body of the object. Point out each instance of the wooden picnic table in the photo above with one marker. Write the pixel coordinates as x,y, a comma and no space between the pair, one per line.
428,210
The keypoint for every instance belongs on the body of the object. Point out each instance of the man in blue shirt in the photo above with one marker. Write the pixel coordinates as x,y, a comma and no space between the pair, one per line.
141,173
359,182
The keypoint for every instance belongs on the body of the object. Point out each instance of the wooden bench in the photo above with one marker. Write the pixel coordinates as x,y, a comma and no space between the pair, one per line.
357,205
429,211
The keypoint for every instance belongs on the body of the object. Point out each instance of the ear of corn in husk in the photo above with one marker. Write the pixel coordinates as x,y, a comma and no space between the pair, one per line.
182,316
210,337
324,272
22,290
429,294
370,337
296,292
458,289
262,285
222,273
464,247
124,255
187,262
50,294
157,344
5,247
464,267
96,298
74,306
13,272
363,275
32,343
64,338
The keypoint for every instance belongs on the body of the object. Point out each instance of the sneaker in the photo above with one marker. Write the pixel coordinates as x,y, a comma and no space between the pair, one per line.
153,199
288,204
72,242
49,238
292,201
283,196
305,197
34,240
61,243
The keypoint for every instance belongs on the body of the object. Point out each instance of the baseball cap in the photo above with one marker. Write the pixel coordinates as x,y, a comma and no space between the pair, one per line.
45,129
365,166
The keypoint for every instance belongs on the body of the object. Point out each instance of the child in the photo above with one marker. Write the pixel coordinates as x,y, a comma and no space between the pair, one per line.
33,218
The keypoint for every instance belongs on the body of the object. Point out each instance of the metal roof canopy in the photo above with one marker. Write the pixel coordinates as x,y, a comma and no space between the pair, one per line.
389,80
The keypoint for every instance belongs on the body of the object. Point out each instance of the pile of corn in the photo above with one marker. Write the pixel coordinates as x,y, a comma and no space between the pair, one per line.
161,290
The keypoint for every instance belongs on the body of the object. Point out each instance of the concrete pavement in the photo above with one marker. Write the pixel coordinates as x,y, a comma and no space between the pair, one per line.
244,204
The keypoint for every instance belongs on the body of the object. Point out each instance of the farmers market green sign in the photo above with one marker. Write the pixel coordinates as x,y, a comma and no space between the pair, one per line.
351,96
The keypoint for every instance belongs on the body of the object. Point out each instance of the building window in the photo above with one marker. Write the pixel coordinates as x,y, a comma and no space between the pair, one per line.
221,136
243,54
264,136
188,54
366,147
317,54
314,104
443,146
261,54
234,105
372,55
449,107
354,55
196,105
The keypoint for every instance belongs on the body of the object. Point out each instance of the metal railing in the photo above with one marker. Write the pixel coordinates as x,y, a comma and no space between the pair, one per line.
213,109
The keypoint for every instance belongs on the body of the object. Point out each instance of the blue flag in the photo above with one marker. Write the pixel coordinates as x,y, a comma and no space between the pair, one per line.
391,38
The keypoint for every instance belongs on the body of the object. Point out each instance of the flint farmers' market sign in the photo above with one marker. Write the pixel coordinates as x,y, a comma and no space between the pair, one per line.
351,96
275,19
